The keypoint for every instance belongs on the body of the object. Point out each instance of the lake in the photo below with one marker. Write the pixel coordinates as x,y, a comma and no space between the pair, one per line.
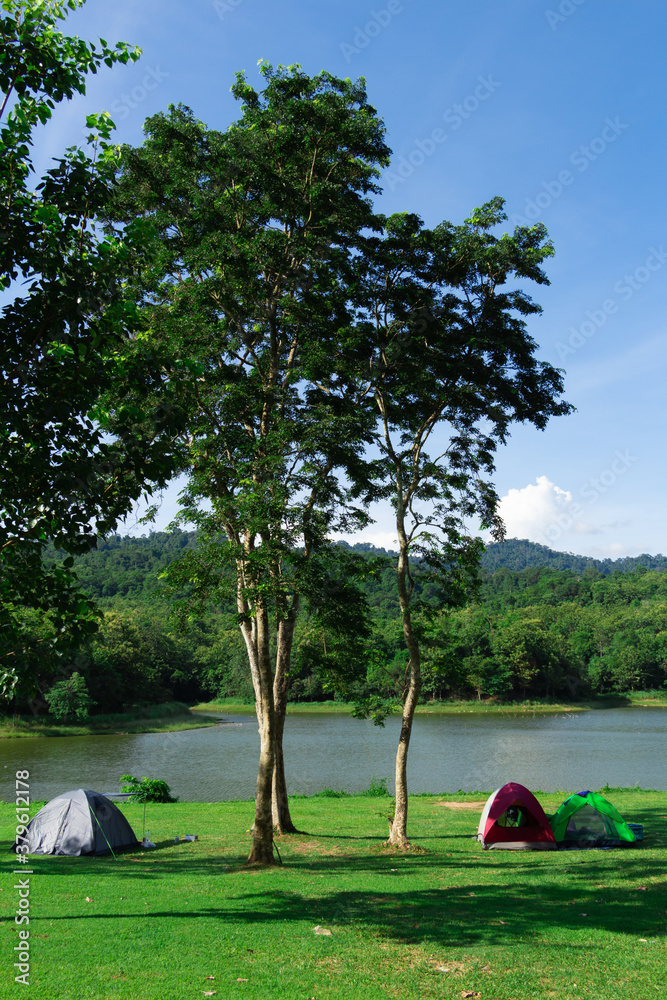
619,747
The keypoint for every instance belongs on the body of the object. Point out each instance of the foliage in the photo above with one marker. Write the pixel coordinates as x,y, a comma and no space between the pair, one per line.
377,788
123,566
64,478
132,662
147,789
269,420
126,566
449,368
586,634
255,231
69,699
520,554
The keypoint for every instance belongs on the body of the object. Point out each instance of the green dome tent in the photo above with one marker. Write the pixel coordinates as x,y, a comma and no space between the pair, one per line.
587,819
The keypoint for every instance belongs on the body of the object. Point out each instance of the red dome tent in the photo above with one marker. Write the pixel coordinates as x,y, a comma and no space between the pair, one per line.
514,820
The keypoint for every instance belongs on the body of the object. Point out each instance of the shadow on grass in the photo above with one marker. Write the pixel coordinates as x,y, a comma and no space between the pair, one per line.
460,915
364,838
590,865
461,897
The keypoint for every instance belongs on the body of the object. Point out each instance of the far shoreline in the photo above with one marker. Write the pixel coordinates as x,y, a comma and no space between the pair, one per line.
643,699
175,717
170,717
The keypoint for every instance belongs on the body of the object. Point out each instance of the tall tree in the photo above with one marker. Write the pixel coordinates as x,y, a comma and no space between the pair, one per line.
255,232
63,478
450,368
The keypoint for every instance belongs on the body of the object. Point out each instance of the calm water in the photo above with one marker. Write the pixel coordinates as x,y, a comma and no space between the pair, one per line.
623,747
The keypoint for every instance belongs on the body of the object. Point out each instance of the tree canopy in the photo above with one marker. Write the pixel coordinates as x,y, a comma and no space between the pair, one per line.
253,238
576,622
64,478
450,367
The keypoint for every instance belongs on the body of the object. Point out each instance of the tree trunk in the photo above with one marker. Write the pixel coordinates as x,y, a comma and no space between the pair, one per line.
262,833
282,820
398,831
398,827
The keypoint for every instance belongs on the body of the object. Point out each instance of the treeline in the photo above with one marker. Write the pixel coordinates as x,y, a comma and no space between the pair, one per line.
519,553
531,633
124,566
551,633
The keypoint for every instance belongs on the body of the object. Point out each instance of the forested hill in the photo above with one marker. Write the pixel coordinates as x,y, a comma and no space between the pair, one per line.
519,554
123,566
546,624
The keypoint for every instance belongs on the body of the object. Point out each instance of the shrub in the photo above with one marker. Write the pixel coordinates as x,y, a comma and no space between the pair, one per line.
69,699
377,787
148,789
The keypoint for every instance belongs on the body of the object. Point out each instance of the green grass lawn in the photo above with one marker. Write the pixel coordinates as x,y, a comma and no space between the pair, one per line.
232,707
445,921
656,699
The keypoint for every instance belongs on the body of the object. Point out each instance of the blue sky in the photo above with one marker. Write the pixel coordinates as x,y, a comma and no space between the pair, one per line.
556,106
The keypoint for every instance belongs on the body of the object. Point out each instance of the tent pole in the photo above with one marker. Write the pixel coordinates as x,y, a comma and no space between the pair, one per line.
103,833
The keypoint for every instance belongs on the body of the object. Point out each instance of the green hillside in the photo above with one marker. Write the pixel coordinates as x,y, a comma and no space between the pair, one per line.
128,567
544,624
519,553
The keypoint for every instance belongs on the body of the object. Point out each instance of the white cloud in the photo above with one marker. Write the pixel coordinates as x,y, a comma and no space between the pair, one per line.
532,511
543,512
380,539
584,528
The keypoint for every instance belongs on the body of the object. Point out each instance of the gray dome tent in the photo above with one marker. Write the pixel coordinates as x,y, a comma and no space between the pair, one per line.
79,822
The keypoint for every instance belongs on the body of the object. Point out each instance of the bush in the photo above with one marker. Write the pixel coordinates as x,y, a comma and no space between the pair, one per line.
377,787
148,789
69,699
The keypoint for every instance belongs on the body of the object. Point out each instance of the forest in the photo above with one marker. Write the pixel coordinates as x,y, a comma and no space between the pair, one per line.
534,629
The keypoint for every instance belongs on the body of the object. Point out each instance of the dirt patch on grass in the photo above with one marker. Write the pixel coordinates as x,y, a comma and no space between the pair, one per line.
312,847
413,956
461,805
457,968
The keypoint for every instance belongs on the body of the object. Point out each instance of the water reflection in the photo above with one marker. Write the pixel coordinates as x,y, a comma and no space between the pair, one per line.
624,747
